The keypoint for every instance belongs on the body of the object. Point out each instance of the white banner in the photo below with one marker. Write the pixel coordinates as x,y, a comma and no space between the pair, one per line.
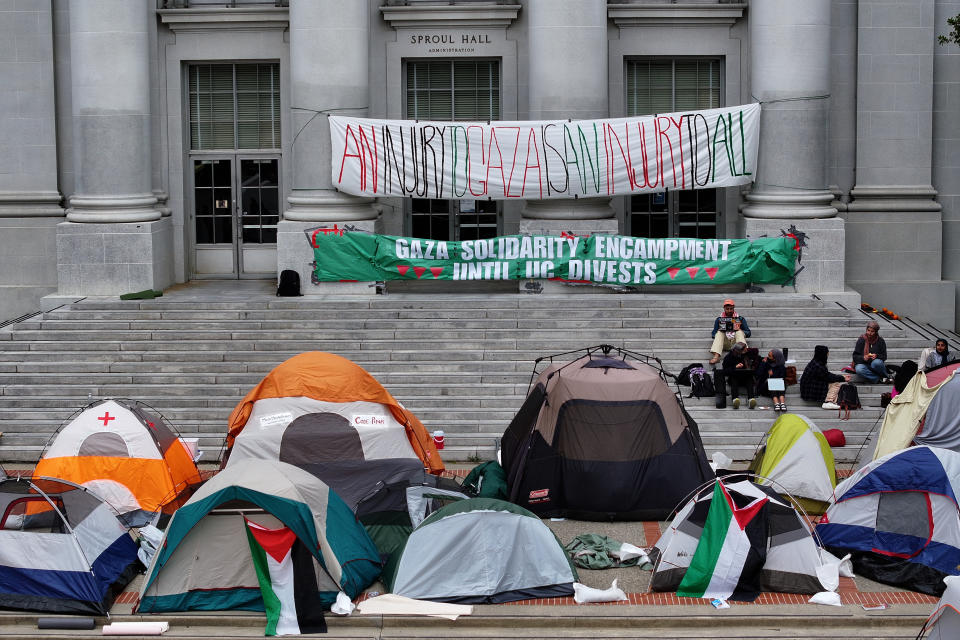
545,159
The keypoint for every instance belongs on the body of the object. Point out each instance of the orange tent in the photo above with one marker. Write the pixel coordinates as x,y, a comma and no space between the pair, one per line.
327,378
126,454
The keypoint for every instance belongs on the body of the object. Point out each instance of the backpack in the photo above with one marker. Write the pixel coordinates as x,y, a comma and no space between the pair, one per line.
848,398
701,384
289,284
790,377
720,386
487,480
684,376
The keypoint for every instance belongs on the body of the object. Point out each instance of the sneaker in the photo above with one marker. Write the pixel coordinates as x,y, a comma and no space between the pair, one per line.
736,403
753,403
829,405
783,408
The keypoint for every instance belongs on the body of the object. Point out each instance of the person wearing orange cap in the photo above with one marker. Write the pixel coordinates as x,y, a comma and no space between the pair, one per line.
729,328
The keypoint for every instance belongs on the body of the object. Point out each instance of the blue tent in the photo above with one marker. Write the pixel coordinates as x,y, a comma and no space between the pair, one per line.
899,519
62,549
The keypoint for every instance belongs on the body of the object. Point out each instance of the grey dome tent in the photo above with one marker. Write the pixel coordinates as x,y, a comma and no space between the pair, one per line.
603,438
481,550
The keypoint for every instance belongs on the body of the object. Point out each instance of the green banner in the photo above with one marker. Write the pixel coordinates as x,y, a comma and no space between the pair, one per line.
600,259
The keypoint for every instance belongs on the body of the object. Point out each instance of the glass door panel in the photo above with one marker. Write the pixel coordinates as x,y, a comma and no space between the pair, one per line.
259,214
215,251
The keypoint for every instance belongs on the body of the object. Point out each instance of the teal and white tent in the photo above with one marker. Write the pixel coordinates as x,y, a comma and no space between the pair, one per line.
205,562
481,550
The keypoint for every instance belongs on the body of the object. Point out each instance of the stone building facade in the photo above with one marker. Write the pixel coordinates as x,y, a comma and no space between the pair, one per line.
150,142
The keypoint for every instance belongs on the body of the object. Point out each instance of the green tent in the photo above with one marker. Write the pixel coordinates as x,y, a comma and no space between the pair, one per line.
204,562
797,460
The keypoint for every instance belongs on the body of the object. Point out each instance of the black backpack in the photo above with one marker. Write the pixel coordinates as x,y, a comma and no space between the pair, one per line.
701,384
289,284
848,398
720,385
684,376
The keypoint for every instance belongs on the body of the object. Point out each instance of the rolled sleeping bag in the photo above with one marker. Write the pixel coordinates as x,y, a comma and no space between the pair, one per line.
73,623
135,628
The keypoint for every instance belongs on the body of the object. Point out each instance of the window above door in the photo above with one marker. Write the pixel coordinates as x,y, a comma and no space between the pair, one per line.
667,85
234,106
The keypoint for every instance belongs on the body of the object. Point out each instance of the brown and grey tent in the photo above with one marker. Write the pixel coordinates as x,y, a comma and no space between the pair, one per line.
603,437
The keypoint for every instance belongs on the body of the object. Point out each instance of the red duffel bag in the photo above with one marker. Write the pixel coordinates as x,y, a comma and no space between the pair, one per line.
835,437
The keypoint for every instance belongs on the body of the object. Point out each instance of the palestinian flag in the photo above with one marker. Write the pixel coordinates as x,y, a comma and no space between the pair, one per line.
727,563
287,581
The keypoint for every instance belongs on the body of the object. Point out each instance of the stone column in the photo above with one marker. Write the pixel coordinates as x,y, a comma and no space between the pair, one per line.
29,196
567,80
114,241
895,241
329,73
790,77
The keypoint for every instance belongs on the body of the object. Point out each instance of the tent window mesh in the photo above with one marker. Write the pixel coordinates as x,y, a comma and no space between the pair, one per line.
905,513
234,106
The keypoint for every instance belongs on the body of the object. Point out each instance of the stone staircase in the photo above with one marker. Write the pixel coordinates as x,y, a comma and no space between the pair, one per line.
461,363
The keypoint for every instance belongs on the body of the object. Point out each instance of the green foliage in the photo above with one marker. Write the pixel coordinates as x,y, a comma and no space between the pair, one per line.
954,36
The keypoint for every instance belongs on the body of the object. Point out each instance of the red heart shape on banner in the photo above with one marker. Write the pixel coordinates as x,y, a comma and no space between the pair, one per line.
673,271
693,272
419,271
711,271
436,271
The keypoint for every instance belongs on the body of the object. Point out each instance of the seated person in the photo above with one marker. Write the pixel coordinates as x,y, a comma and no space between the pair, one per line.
816,377
773,366
869,355
738,367
729,328
940,356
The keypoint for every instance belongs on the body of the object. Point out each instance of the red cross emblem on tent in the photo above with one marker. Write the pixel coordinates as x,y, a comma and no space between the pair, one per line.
106,417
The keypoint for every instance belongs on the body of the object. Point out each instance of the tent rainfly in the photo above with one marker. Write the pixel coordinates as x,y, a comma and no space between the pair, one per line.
797,459
128,455
602,438
322,408
926,413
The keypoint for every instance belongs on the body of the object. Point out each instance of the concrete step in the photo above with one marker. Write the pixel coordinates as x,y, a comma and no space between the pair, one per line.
461,363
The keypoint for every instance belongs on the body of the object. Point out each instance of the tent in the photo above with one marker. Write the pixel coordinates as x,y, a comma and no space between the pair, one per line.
400,502
926,413
944,622
898,517
128,454
603,438
797,459
62,548
782,554
204,561
320,407
481,551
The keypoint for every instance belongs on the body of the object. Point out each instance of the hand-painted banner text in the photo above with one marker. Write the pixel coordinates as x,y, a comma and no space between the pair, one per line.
537,160
601,259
